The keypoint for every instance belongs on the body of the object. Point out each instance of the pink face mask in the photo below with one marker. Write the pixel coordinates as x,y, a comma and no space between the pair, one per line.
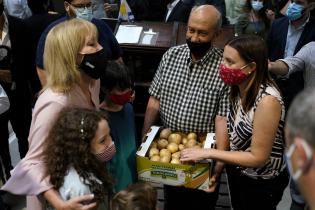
121,99
232,76
107,153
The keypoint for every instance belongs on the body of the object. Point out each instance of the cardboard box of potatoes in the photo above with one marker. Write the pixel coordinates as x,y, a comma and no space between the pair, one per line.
158,158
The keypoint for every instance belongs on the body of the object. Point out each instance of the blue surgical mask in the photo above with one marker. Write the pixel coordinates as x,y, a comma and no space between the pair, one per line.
309,155
257,5
85,13
294,11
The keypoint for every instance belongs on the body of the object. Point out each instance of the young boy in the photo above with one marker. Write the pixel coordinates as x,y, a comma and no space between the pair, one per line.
116,84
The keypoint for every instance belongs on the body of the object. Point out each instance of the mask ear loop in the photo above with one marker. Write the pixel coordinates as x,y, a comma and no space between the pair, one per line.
308,153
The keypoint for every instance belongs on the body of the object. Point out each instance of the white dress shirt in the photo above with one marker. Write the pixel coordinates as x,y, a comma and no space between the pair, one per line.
170,8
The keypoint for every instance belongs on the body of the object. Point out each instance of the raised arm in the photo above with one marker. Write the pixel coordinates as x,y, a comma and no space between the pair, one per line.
278,67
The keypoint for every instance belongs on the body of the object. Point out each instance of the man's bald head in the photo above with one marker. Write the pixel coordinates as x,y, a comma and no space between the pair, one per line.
208,14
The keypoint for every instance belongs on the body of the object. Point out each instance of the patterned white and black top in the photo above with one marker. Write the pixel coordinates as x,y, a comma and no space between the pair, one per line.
191,94
240,128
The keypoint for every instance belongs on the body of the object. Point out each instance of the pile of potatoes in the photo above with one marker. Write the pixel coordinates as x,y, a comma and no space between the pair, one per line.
166,148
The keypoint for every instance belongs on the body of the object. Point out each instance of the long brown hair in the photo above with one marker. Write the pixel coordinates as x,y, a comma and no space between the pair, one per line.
262,13
67,146
252,48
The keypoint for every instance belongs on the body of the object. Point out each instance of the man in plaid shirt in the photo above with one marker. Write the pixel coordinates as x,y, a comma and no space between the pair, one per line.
188,95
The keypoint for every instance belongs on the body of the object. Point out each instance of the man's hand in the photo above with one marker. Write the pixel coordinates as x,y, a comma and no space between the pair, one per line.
212,184
270,14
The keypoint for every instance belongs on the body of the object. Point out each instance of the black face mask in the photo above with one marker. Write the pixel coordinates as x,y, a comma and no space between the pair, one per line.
198,49
94,64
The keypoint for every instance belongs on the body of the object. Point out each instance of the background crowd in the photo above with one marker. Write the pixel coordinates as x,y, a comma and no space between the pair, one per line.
68,95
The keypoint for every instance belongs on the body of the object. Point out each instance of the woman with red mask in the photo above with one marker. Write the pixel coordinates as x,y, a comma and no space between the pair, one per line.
116,84
256,170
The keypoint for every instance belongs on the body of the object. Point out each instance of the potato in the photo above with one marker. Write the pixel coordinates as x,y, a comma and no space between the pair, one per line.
184,140
153,144
175,137
153,151
192,136
175,161
181,147
172,147
176,155
165,133
197,146
165,152
165,159
162,143
155,158
191,143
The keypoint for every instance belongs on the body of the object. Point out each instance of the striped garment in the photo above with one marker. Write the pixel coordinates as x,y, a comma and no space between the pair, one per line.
240,128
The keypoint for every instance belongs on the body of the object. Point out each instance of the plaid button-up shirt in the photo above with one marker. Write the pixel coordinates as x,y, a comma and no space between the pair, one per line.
191,94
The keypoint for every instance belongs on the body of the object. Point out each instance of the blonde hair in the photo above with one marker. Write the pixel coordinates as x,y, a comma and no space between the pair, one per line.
138,196
62,47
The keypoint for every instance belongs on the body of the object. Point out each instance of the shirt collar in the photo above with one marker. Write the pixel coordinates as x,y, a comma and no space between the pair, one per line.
173,4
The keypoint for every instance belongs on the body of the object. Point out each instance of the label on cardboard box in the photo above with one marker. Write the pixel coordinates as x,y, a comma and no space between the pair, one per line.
187,175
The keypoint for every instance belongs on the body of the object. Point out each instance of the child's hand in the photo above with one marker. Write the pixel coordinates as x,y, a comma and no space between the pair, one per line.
77,203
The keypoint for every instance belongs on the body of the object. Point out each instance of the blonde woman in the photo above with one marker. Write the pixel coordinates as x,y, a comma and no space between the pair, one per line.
74,61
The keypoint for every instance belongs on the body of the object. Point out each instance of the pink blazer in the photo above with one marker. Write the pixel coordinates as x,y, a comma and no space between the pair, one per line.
28,176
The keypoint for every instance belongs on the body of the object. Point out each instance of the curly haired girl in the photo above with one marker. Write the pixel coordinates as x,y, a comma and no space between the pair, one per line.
76,146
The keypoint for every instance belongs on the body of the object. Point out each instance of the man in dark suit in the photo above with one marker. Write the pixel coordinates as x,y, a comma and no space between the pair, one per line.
34,27
179,10
20,110
286,37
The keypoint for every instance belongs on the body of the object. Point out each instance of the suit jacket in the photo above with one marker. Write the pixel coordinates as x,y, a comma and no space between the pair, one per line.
278,36
276,42
34,27
181,11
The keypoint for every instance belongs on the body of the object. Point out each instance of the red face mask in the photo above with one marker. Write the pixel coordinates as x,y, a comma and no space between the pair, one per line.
232,76
121,99
107,153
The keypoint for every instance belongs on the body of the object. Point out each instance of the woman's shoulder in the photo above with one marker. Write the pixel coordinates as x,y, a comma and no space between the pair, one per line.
48,95
269,94
272,91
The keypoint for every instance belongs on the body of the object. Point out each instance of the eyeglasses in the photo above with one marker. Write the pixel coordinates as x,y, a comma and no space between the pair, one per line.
88,5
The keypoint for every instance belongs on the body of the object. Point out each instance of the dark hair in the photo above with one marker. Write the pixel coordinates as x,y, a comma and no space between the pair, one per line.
116,75
252,48
138,196
262,13
67,146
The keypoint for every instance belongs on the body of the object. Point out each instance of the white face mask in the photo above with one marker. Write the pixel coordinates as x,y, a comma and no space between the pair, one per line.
257,5
85,13
309,155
